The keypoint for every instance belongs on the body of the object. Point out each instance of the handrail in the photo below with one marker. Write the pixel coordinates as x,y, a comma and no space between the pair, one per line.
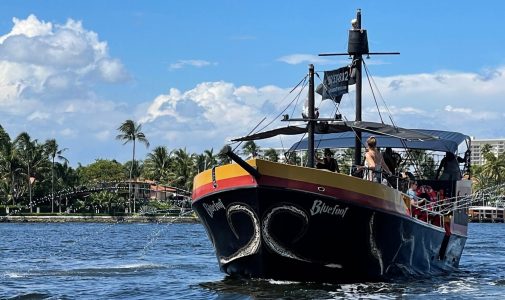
368,170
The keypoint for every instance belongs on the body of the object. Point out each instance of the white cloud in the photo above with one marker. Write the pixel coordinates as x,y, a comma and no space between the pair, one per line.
197,63
212,112
112,70
68,132
295,59
460,110
209,114
30,27
49,74
37,115
471,103
43,62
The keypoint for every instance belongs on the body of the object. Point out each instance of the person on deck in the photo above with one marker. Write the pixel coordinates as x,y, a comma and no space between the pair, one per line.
374,161
450,165
328,162
412,193
392,159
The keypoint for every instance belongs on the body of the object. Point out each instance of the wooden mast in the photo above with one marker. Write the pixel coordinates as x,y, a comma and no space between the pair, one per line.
357,46
358,58
312,122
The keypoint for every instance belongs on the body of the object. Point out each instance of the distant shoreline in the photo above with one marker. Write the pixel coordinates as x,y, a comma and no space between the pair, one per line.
98,219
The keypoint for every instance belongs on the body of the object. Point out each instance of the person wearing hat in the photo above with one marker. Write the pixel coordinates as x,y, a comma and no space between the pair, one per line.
328,162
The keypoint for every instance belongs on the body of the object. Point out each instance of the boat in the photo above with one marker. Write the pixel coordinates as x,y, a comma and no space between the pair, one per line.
274,220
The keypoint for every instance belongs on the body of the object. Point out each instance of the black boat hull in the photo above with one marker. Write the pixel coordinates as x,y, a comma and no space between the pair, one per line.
289,234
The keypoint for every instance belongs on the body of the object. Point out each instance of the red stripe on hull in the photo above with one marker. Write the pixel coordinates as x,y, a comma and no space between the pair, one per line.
341,194
223,184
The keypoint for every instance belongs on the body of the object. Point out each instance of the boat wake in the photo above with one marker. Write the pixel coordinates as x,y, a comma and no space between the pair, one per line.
103,271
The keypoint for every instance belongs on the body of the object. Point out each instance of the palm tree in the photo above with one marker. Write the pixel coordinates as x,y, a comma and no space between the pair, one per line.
103,199
32,156
158,164
222,157
346,160
494,167
210,158
183,169
54,152
67,178
131,132
272,155
486,148
24,146
250,149
138,167
423,163
10,166
200,162
293,158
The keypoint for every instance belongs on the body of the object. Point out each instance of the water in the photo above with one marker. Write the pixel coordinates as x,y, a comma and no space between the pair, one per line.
176,261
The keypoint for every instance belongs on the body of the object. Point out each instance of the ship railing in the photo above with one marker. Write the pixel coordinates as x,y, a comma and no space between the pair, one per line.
427,213
382,177
450,204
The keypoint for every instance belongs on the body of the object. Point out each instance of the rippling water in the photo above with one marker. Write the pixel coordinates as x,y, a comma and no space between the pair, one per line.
174,261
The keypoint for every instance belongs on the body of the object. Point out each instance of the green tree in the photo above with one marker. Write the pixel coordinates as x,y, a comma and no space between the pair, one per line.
67,179
210,158
222,157
132,132
183,169
271,155
103,200
346,160
479,180
293,158
157,164
423,164
10,168
250,149
200,163
54,153
32,157
494,167
102,170
137,170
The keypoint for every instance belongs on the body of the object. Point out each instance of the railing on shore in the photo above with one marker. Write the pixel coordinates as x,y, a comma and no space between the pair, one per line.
188,218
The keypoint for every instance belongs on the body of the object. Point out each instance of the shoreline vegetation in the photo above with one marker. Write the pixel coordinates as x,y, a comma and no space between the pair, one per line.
33,218
35,176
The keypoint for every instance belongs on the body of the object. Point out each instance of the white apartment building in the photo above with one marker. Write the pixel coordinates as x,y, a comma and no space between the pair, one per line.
497,147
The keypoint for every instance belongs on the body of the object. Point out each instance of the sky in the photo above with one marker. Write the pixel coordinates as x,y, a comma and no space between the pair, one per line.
197,73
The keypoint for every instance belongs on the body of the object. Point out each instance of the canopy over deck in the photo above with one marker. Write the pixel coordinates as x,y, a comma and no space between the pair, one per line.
342,135
446,141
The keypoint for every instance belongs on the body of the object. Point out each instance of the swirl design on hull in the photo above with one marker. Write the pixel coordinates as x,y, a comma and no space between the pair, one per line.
373,245
271,242
254,243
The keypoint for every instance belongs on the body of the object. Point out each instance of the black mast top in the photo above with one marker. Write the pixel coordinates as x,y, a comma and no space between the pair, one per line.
357,46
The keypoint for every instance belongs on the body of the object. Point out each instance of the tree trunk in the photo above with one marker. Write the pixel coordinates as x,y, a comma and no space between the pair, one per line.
52,188
12,189
131,175
30,189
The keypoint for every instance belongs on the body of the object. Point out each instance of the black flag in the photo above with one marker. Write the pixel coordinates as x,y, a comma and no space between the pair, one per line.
335,84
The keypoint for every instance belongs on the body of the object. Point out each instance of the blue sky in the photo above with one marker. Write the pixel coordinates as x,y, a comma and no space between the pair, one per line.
196,73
